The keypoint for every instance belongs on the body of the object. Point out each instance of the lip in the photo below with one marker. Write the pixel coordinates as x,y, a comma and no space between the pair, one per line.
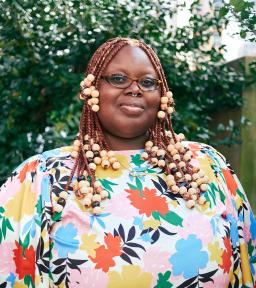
132,108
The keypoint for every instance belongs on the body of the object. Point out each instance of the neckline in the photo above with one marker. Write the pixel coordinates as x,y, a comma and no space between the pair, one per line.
129,152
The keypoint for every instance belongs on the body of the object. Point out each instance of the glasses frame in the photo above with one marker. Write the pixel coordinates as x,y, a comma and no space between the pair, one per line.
158,82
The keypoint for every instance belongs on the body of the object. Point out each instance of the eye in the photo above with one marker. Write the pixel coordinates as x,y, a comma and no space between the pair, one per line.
147,82
117,78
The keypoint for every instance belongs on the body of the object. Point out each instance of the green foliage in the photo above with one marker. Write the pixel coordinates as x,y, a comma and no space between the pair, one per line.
244,12
45,46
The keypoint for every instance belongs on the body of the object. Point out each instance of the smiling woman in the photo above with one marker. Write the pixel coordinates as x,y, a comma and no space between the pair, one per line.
131,203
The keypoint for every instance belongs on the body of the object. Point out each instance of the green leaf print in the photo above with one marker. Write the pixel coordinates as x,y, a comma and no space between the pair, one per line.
56,216
2,209
171,217
106,184
156,215
136,160
139,185
131,186
240,193
28,281
162,281
39,207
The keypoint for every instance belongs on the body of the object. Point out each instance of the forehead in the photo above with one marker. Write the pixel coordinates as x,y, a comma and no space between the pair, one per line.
132,60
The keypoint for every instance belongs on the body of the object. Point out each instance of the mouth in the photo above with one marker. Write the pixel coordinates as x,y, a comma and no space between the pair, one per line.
132,109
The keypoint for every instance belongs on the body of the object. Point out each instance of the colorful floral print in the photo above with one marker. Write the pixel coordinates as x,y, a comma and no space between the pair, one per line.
145,236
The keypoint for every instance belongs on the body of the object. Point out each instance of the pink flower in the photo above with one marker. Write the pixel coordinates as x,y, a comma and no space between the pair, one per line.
89,277
116,205
197,224
7,264
220,280
156,261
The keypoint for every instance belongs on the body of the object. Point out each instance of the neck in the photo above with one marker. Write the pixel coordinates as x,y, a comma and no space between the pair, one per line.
118,143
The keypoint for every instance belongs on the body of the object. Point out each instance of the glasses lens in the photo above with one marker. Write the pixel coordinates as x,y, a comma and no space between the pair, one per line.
120,81
148,83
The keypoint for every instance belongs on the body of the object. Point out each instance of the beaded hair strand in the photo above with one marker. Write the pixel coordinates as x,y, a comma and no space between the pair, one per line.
164,148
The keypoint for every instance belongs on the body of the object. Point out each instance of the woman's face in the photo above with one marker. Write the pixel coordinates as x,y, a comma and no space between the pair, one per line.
121,114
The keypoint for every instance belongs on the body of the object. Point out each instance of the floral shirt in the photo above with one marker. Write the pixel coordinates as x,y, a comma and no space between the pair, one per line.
145,236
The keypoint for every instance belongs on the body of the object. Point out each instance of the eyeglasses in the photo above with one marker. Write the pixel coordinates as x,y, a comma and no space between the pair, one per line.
145,83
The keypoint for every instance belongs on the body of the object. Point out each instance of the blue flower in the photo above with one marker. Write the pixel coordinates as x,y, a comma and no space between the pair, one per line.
138,221
189,258
253,225
45,190
146,237
98,219
233,229
64,240
11,278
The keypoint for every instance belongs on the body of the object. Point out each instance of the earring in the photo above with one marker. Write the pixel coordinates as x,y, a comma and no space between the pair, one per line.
166,105
89,91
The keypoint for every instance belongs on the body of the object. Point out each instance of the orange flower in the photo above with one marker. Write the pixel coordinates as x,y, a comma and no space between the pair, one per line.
104,256
226,256
25,262
149,202
28,167
231,183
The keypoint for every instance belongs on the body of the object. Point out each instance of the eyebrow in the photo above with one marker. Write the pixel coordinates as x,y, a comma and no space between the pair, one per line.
152,73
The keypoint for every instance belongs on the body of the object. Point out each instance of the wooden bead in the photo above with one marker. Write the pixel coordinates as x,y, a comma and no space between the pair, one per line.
170,110
90,77
90,189
83,183
85,173
87,82
175,189
116,165
186,157
104,194
86,147
181,164
96,197
92,88
95,94
105,164
181,136
63,194
174,152
170,182
89,154
201,200
95,108
194,169
201,173
144,156
94,100
170,147
163,107
61,201
57,208
95,147
178,175
154,161
160,152
87,91
89,195
188,177
195,176
111,153
169,177
89,102
190,204
92,166
77,143
164,100
96,210
168,94
203,187
149,144
161,163
154,149
178,145
194,184
103,153
183,190
82,84
76,148
112,160
172,165
97,160
176,157
161,114
74,154
84,190
192,191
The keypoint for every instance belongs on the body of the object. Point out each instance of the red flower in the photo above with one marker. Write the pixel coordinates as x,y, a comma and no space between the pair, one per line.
226,256
25,262
104,256
231,183
149,202
28,167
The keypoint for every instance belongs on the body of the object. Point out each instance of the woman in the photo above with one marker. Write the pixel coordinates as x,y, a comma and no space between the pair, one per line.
130,204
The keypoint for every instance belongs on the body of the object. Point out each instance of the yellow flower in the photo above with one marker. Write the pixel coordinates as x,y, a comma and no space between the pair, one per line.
205,165
247,278
215,252
23,203
89,244
110,173
19,285
130,277
151,223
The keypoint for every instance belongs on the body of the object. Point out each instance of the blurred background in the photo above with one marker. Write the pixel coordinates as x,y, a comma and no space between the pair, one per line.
207,48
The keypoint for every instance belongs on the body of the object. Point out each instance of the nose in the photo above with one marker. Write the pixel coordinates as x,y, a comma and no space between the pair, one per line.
133,88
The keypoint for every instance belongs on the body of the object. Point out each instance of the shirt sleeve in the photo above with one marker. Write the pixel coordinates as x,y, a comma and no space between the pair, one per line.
242,224
25,215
